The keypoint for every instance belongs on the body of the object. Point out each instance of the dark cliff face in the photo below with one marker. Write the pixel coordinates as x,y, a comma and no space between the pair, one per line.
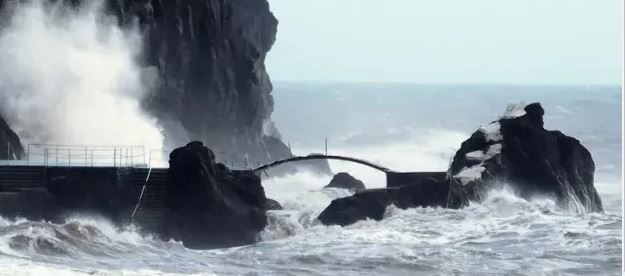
10,145
210,57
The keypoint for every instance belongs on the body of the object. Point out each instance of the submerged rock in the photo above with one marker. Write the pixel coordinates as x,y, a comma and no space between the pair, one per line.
344,180
517,150
209,205
372,203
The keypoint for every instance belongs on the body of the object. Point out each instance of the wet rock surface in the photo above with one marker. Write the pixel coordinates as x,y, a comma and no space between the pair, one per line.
532,160
209,205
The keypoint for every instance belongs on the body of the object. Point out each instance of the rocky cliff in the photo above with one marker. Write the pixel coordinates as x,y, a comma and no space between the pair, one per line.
10,145
210,57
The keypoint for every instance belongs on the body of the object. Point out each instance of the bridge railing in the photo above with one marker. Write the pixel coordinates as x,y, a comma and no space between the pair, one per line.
83,155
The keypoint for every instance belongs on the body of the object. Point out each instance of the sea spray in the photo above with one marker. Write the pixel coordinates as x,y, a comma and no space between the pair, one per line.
69,76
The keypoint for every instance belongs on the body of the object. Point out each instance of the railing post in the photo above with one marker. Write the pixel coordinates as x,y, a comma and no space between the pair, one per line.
131,157
69,158
114,157
86,156
91,158
150,160
28,155
57,155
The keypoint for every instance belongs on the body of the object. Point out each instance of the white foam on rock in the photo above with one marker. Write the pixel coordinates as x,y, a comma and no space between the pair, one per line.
468,174
492,132
514,111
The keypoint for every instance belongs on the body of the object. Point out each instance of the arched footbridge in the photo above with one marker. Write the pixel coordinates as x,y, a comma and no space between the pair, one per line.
320,157
393,178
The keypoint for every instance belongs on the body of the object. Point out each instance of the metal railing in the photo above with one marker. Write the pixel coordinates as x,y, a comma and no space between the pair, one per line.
53,155
88,156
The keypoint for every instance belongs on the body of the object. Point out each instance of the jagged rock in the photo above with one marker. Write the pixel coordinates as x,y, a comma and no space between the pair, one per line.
344,180
211,206
519,151
10,145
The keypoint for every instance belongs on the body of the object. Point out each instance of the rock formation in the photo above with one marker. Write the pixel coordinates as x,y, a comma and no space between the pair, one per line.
10,145
344,180
515,151
210,56
211,206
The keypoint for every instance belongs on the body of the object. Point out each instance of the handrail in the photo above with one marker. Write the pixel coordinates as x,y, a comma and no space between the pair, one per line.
86,155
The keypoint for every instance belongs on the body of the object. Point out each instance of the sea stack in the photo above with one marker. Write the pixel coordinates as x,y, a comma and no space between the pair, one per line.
518,151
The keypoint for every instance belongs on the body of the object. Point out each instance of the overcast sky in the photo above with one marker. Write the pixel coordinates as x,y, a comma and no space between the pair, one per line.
449,41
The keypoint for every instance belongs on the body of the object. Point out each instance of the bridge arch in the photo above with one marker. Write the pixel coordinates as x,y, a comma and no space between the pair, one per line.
322,156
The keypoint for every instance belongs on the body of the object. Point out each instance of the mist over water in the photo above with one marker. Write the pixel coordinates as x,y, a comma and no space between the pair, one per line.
70,76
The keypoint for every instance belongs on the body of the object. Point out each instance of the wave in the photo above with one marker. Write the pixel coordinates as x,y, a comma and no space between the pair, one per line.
502,234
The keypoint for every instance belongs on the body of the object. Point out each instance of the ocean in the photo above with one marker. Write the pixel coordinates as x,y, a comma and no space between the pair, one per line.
409,127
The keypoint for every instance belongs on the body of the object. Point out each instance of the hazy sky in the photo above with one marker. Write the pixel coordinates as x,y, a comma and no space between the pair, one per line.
449,41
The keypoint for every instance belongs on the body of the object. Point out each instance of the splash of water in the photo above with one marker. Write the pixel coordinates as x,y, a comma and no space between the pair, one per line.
70,76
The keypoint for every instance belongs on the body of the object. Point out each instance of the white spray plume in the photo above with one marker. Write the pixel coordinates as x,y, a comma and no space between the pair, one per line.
70,76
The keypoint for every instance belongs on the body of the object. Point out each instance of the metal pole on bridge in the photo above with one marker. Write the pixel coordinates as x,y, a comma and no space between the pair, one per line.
326,141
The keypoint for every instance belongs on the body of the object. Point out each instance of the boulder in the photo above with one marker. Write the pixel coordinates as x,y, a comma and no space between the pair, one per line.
368,204
209,205
517,150
344,180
